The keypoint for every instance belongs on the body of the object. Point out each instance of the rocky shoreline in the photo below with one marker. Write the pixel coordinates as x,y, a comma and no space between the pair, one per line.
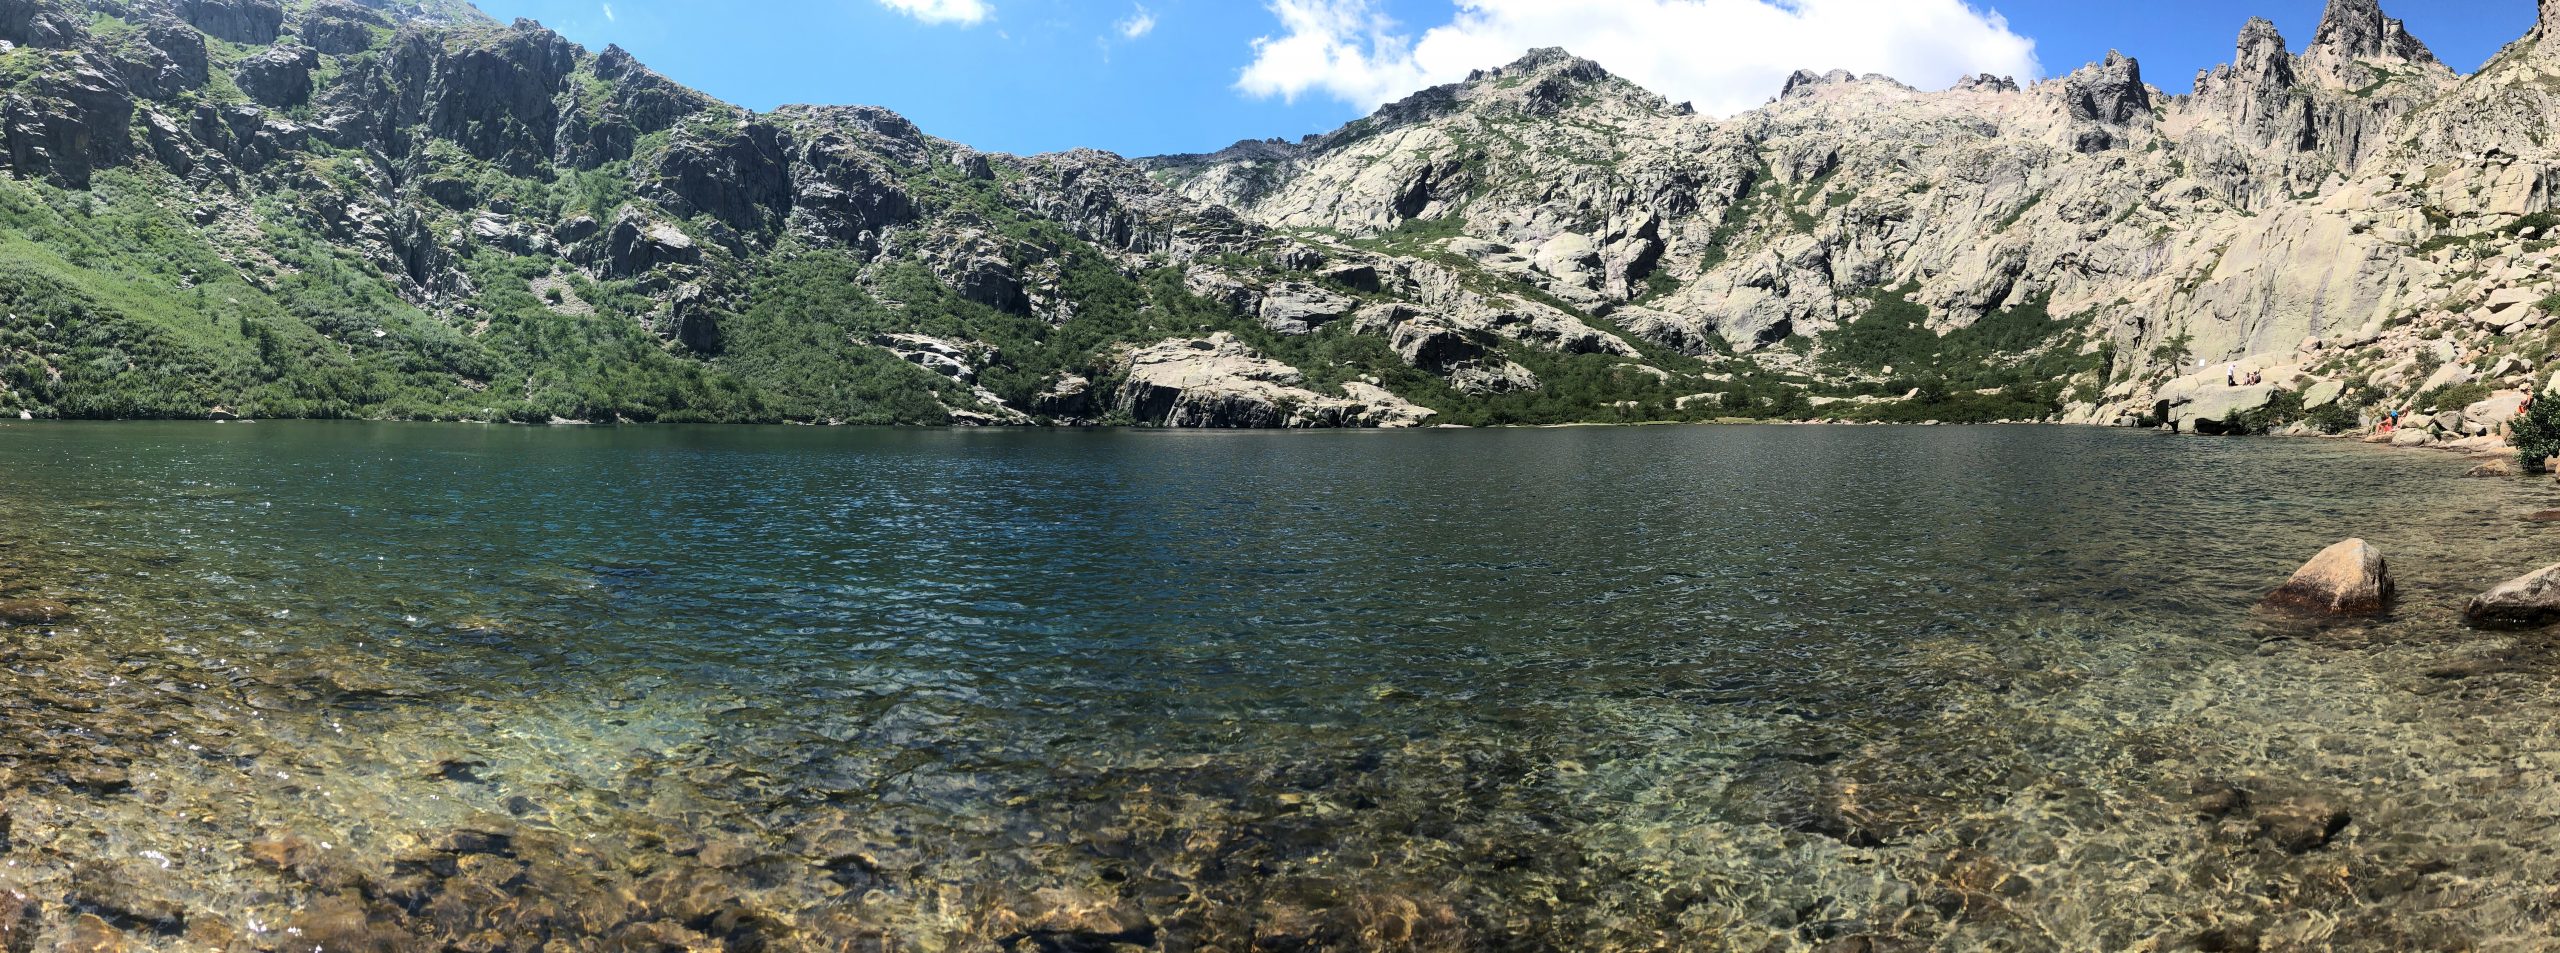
168,786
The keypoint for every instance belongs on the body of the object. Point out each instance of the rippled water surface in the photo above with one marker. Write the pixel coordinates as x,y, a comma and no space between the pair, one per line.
381,687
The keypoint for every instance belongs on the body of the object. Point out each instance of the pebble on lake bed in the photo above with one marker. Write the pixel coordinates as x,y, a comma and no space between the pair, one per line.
2350,578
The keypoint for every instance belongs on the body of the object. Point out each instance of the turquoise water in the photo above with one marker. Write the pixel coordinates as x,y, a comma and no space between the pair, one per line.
1662,688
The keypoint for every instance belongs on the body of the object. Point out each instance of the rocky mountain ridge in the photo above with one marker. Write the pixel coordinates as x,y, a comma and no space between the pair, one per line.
368,208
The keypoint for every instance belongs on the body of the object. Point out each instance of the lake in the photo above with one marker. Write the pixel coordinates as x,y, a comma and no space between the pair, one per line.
392,687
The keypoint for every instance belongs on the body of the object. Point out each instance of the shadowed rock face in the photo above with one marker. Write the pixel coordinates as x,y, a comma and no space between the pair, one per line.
2350,578
2108,100
239,21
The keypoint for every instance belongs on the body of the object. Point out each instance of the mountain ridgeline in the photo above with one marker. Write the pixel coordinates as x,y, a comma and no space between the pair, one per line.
373,208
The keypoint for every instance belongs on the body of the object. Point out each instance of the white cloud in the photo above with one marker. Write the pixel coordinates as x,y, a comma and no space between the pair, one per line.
963,12
608,14
1726,56
1138,24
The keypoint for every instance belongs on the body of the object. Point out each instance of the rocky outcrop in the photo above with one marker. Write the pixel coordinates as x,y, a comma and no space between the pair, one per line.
728,169
340,28
1430,341
238,21
2350,578
279,77
2358,30
1299,308
2109,104
2528,602
46,24
636,246
164,59
1217,382
64,123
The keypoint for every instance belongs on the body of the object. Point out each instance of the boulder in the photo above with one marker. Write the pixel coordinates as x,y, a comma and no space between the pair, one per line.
2494,469
2527,602
2494,412
1070,397
2323,394
2213,410
2350,578
1492,376
2447,376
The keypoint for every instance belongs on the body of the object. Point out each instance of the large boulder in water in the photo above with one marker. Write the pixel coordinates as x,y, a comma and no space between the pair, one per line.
2524,603
2350,578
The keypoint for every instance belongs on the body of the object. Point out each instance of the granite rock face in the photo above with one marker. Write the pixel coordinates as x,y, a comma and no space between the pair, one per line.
1219,383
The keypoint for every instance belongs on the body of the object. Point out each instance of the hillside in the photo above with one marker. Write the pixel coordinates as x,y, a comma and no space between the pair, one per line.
406,210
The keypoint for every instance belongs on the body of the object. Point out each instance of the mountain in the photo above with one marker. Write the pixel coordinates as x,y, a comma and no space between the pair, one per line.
409,210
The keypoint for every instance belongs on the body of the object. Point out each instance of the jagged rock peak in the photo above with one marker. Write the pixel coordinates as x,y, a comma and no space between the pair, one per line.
2258,34
2107,101
2358,30
1548,59
1987,83
2263,57
1805,81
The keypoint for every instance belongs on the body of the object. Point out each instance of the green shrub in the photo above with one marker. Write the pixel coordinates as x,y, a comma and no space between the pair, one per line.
2335,418
2536,435
2454,397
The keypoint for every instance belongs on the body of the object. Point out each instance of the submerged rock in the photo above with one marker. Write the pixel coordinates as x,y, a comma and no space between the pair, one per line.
2350,578
2523,603
2493,469
2303,825
33,612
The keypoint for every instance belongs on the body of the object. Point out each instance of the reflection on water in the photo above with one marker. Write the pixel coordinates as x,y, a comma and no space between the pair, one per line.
385,687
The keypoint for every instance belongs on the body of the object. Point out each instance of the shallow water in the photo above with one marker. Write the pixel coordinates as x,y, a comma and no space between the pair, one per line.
333,686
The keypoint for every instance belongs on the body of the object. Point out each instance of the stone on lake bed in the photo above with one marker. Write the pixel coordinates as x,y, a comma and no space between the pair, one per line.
2304,825
2350,578
33,612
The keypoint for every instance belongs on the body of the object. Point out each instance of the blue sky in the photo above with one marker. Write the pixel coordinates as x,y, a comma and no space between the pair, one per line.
1029,76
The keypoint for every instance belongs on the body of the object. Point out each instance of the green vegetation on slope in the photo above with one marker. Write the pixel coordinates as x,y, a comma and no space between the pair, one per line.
2013,364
